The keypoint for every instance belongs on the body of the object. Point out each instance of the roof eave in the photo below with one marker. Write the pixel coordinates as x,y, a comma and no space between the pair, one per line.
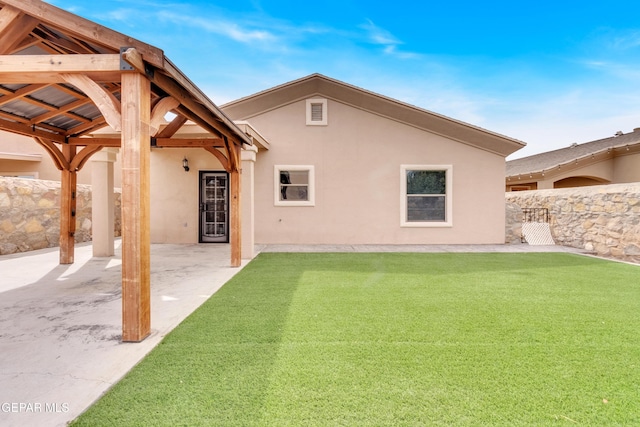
315,84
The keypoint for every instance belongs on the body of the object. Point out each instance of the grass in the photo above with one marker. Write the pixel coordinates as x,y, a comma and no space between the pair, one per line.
398,340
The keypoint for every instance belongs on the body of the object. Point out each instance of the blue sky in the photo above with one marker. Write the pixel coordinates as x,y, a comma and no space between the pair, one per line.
549,73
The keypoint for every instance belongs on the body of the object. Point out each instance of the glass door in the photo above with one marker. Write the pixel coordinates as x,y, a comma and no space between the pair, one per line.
214,209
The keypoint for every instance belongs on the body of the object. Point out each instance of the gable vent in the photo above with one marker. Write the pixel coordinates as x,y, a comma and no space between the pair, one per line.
316,112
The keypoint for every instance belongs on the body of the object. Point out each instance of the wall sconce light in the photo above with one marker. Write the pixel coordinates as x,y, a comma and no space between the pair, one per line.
185,164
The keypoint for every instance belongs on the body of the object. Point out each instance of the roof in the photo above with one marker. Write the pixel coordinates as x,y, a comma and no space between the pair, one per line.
550,160
50,61
317,84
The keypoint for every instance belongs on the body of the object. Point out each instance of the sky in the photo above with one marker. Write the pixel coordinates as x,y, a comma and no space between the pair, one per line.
548,73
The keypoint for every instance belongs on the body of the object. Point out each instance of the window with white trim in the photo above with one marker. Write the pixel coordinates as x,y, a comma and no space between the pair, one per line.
426,195
294,185
316,112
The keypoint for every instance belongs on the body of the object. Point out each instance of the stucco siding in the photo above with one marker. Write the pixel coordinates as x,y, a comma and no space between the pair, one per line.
175,193
357,159
627,168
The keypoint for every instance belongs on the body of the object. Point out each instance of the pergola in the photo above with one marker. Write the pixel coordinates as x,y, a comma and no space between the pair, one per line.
63,77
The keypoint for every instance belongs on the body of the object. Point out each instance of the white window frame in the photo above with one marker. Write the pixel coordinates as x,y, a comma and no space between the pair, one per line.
448,222
325,112
311,193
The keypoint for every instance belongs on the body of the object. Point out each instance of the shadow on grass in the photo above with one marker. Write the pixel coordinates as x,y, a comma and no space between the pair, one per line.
214,368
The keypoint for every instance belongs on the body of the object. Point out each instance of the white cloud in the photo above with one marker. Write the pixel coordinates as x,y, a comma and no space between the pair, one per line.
382,37
232,30
626,40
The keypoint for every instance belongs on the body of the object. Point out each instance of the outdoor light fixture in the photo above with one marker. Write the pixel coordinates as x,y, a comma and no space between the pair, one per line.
185,164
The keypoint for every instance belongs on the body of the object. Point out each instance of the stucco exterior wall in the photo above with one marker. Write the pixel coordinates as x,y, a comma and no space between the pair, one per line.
620,169
627,168
357,159
175,193
604,219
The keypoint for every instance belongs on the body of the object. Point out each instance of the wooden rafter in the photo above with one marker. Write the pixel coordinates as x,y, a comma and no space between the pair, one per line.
15,29
81,28
32,131
173,127
22,92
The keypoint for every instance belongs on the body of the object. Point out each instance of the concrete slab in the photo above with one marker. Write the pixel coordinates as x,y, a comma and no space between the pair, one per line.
60,325
417,248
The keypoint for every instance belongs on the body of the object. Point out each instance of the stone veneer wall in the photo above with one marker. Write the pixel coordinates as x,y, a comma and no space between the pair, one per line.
30,214
603,219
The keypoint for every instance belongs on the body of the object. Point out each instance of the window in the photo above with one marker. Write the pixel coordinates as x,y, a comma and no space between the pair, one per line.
294,186
317,112
425,192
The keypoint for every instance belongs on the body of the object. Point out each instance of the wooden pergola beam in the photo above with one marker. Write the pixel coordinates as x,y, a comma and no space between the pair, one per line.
68,188
92,142
32,131
189,142
33,65
189,107
235,222
85,29
136,243
14,28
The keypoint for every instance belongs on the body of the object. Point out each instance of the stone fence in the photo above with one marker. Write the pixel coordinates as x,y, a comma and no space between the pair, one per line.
603,219
30,214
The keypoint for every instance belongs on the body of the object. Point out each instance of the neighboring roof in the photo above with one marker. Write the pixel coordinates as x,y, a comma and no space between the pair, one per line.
317,84
551,160
48,56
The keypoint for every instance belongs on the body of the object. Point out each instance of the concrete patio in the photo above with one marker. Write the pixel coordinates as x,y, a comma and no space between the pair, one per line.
60,325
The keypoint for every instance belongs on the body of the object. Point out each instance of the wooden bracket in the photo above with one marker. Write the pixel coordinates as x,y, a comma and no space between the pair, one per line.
104,100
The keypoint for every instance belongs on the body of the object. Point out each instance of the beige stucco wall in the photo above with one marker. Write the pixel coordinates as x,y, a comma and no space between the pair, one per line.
357,160
626,168
175,193
623,168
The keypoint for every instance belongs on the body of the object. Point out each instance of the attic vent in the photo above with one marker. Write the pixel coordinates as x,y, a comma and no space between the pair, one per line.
316,112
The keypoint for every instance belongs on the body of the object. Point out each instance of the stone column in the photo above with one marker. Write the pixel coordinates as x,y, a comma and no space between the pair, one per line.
248,211
103,202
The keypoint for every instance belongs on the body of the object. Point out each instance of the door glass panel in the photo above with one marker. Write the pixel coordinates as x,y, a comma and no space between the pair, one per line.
213,207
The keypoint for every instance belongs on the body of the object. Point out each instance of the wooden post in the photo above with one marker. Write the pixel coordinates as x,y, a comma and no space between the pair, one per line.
136,243
236,214
68,188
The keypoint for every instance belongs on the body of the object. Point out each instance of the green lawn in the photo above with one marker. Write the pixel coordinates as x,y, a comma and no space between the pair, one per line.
398,340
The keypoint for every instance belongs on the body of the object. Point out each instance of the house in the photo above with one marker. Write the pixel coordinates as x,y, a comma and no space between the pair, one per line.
314,161
348,166
613,160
